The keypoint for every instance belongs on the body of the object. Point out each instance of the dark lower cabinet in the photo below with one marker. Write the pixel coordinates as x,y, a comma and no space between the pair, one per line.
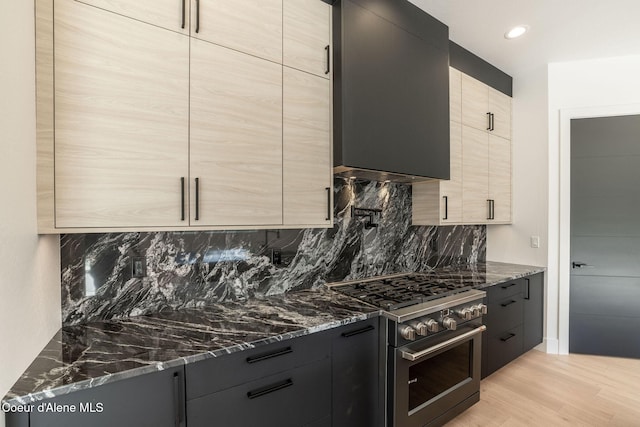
533,310
514,321
355,375
151,400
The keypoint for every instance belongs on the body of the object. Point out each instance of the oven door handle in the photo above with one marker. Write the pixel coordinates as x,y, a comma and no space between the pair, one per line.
408,355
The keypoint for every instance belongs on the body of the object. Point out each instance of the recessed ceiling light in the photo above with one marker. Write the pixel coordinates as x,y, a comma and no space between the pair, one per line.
516,32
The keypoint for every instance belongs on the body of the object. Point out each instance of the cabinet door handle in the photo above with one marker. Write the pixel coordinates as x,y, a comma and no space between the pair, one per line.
267,356
493,122
506,304
328,204
182,197
358,331
328,50
493,209
446,207
528,294
197,16
488,209
270,389
177,407
183,13
511,335
197,216
488,121
508,286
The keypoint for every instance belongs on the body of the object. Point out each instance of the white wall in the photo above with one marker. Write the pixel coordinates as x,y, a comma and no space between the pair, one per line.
29,264
577,88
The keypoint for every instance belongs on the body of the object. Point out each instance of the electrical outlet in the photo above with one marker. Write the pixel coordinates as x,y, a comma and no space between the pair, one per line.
138,266
535,241
276,256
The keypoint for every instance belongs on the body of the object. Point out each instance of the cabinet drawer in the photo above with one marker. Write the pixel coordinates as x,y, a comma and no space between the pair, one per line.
293,398
503,348
506,289
504,314
217,374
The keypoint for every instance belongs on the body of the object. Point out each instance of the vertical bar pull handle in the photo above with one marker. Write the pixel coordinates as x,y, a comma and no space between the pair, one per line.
182,198
177,407
493,122
528,294
493,209
197,16
328,50
183,13
328,204
488,121
446,207
489,208
197,216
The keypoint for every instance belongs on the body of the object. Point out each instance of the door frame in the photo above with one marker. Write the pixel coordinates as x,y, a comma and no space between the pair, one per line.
564,215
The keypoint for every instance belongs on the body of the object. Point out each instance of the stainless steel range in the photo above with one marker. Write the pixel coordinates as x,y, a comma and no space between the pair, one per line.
434,334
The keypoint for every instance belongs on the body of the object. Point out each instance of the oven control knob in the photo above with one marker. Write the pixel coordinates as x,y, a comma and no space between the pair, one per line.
449,323
465,313
408,333
420,328
432,325
479,310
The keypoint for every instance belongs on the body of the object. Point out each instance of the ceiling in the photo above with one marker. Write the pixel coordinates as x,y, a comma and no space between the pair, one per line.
560,30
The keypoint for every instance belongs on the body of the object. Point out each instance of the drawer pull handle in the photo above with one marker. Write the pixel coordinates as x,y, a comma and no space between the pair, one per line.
528,294
267,356
270,389
511,335
508,286
505,304
358,331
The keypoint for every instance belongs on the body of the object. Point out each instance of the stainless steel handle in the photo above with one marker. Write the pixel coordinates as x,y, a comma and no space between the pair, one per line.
411,356
446,207
197,16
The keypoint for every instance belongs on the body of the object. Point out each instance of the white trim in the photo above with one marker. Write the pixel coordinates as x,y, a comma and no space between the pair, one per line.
564,220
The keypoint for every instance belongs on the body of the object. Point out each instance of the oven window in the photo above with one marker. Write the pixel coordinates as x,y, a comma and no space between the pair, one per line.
438,374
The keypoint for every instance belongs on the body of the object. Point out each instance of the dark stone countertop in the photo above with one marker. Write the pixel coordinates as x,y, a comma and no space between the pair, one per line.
84,356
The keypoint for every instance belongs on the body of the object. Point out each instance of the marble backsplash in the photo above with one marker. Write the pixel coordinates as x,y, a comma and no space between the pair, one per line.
193,269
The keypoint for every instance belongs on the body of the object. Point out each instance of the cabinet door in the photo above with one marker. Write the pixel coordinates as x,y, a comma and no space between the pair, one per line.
121,120
455,95
307,36
152,400
475,103
500,178
355,375
475,175
170,14
307,172
236,138
533,310
249,26
451,207
500,106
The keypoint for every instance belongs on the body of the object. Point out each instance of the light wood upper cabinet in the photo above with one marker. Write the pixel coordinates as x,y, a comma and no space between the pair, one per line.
439,202
455,95
307,36
475,175
121,120
485,108
249,26
170,14
307,179
236,137
500,178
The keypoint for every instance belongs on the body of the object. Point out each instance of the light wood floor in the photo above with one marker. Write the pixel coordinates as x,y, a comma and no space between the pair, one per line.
540,389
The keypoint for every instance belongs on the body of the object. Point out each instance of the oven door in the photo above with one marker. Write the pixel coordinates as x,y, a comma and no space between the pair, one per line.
436,378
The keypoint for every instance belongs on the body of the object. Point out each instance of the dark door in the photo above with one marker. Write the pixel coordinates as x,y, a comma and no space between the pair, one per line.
605,236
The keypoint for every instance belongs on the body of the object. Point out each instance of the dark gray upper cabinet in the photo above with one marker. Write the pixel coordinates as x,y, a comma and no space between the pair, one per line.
391,91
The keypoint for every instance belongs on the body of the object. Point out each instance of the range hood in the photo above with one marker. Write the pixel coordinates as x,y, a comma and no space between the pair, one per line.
391,92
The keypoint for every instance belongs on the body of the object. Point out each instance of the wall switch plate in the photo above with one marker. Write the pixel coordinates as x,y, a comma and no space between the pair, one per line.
535,241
